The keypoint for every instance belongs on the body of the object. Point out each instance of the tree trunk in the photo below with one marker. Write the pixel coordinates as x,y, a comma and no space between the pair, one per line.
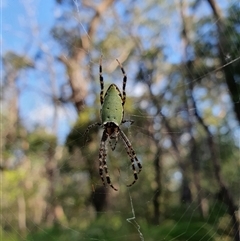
234,92
158,191
224,191
11,132
51,169
223,44
192,142
79,84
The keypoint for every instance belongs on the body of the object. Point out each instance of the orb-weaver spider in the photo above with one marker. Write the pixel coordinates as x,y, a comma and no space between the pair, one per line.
112,113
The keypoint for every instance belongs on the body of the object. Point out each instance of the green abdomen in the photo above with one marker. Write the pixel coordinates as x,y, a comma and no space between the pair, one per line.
112,109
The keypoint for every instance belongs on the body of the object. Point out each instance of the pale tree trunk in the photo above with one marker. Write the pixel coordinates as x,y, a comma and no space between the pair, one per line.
79,84
14,64
74,62
12,105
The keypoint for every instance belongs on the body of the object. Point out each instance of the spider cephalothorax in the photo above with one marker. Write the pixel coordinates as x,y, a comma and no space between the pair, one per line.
112,130
112,113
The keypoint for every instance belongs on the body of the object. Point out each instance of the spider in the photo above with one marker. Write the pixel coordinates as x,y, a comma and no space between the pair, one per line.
112,112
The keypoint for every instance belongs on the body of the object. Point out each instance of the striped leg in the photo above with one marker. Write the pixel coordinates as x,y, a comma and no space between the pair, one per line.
131,153
113,145
101,80
90,127
101,157
102,161
124,83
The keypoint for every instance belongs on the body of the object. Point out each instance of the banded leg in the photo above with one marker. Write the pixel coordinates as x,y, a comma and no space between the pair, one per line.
102,155
102,161
131,153
101,80
124,83
113,146
90,127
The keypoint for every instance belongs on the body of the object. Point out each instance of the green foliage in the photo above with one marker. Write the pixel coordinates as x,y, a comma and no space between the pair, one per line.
41,141
17,62
109,227
9,236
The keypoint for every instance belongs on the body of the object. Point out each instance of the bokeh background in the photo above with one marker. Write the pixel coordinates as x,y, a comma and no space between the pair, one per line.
182,59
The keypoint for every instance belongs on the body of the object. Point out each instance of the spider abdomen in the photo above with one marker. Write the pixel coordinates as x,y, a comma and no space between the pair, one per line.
112,109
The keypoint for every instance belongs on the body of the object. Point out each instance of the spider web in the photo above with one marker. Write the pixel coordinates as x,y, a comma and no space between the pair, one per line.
126,217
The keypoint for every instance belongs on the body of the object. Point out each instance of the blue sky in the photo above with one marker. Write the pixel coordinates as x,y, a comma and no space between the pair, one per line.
16,17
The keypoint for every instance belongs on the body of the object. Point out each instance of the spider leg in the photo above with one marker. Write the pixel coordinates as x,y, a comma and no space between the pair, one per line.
102,160
113,146
101,157
128,120
101,80
90,127
124,83
128,146
131,153
123,121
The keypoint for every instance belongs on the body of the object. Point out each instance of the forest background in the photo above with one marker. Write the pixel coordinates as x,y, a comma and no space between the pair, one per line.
182,59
